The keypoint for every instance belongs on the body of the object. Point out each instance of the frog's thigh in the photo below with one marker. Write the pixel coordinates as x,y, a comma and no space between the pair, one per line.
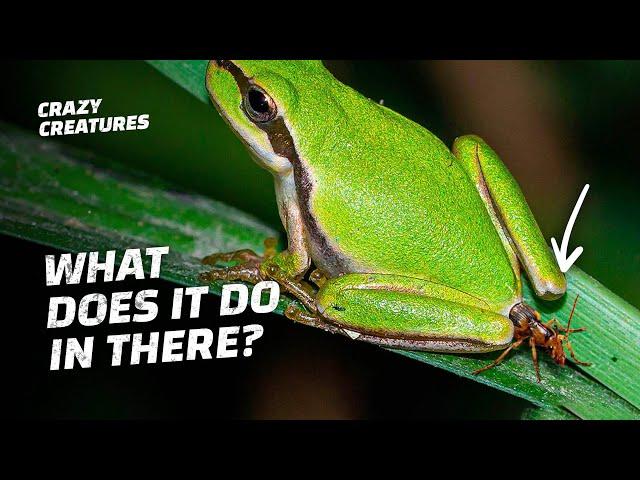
504,199
409,313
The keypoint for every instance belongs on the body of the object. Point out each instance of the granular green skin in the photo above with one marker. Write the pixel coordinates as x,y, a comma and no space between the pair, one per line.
379,194
416,215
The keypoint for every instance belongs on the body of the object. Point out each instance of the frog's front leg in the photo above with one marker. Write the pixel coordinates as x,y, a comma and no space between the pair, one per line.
511,215
409,313
247,268
253,268
286,267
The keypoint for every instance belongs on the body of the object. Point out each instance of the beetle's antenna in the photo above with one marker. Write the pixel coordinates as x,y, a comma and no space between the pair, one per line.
573,355
573,309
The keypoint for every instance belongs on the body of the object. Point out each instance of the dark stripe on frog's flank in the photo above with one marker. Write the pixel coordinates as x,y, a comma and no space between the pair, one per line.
283,145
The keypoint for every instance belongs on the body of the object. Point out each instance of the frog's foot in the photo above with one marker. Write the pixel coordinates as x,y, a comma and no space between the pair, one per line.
245,255
298,315
282,268
247,272
247,268
240,256
300,289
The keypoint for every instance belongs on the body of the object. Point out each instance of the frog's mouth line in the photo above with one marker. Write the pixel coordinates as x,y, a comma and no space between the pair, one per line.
283,145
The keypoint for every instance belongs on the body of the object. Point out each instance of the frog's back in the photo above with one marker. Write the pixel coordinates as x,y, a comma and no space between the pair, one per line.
391,198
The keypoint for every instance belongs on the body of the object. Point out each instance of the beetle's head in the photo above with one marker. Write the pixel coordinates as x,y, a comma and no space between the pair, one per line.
556,348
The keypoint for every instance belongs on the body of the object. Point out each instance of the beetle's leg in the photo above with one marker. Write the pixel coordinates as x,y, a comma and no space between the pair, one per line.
511,215
564,329
555,324
534,357
573,355
502,356
572,330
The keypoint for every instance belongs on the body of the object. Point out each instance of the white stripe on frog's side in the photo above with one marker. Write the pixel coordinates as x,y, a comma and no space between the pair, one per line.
291,218
434,345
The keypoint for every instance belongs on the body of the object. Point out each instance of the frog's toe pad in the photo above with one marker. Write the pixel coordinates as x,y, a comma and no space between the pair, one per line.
245,272
241,256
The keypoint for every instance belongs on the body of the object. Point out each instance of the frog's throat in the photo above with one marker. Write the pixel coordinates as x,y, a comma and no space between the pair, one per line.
328,256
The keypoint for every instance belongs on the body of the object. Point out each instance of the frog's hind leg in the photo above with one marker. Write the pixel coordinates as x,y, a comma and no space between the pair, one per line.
299,315
412,314
511,215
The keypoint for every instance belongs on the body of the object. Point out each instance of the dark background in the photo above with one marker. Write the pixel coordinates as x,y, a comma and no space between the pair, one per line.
557,125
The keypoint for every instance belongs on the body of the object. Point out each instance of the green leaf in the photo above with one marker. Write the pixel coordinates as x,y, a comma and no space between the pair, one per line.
613,353
547,413
53,194
189,74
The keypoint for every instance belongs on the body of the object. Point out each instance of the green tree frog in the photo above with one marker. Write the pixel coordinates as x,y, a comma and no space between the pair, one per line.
415,246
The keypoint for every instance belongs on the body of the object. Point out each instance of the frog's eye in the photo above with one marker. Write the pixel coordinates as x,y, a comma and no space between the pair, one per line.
259,106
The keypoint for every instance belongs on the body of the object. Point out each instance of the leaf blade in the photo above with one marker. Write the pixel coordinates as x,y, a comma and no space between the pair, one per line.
189,74
615,360
54,195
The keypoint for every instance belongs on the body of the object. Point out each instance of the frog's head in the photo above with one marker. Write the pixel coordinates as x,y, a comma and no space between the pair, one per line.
258,99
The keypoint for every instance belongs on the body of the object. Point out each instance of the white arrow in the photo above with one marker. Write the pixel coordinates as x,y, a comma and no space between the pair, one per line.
561,253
